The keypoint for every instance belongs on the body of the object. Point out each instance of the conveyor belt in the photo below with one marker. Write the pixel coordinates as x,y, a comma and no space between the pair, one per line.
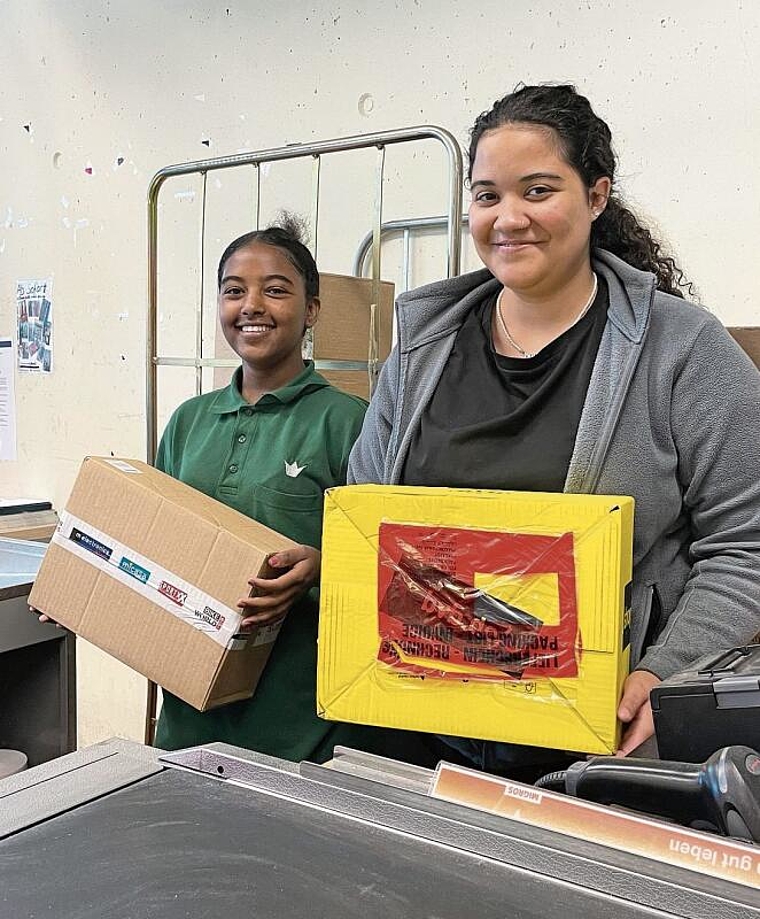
257,839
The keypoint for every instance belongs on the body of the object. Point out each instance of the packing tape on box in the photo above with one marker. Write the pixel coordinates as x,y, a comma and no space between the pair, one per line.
158,585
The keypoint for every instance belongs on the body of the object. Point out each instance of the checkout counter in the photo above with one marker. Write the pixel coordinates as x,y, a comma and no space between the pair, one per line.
122,831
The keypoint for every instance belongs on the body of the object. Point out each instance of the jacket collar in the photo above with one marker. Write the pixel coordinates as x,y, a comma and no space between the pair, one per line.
429,312
230,399
631,291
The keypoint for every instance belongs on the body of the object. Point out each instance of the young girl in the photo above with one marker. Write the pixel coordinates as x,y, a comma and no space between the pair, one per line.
571,362
269,444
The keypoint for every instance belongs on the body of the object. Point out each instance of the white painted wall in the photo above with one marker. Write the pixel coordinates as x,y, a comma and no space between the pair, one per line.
148,83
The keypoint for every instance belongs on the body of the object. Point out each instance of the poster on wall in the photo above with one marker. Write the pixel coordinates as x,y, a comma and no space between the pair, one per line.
34,311
7,402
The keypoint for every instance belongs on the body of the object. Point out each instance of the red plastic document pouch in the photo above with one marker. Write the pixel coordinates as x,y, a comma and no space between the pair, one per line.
460,603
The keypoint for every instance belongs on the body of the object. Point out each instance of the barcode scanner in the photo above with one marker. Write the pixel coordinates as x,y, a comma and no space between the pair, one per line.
721,795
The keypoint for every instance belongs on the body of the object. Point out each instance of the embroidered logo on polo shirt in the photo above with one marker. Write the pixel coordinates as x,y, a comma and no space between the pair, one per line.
293,469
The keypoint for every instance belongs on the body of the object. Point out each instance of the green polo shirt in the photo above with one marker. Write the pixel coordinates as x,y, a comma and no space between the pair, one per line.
272,461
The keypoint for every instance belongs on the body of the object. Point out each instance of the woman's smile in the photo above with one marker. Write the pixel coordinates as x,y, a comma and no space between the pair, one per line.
513,245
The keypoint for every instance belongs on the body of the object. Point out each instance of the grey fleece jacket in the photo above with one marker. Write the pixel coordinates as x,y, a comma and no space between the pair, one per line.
671,417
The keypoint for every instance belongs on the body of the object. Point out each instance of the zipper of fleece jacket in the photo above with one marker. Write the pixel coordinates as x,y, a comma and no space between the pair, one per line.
596,463
595,466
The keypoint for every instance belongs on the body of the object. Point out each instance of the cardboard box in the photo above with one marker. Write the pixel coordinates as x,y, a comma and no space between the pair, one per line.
150,570
484,614
28,522
342,332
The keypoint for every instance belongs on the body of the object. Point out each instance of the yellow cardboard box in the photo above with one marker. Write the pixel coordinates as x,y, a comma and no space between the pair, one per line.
486,614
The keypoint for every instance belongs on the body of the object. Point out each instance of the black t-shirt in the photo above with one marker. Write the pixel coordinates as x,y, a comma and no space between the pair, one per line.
504,422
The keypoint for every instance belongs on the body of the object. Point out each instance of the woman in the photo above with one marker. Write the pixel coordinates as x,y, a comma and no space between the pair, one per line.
572,363
269,444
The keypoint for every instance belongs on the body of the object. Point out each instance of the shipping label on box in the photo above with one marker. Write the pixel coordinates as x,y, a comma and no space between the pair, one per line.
494,615
150,570
150,580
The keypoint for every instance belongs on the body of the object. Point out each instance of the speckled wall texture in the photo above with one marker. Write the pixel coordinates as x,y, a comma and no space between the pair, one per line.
96,96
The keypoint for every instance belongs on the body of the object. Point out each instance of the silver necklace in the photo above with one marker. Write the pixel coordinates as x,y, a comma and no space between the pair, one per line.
521,351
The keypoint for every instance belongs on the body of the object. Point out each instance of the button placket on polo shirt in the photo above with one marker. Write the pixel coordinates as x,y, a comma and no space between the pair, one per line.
244,425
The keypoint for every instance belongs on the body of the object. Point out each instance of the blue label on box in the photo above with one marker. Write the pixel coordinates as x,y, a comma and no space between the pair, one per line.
135,570
91,544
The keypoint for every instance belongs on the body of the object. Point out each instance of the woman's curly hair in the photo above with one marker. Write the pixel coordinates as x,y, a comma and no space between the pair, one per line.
585,143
